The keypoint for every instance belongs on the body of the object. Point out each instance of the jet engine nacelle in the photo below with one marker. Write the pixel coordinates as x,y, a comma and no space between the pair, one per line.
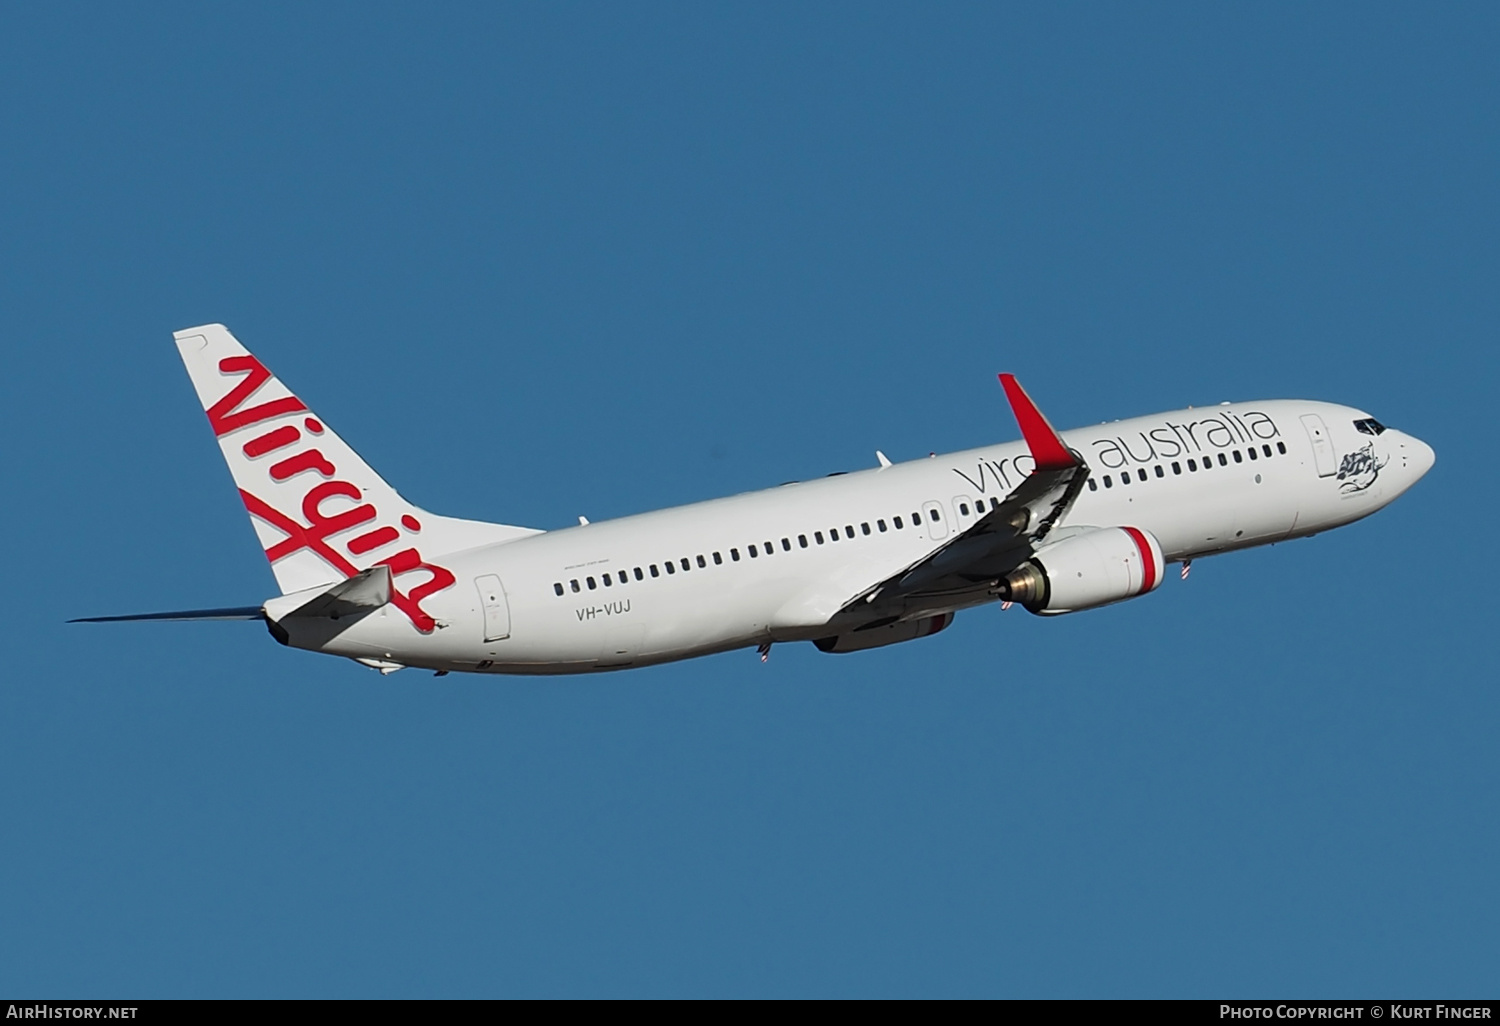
1092,568
886,634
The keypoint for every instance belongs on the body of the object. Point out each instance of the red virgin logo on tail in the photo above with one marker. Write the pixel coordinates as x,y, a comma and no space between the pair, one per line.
224,415
320,527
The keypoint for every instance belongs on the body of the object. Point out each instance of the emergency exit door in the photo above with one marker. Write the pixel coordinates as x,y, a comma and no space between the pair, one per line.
932,519
496,607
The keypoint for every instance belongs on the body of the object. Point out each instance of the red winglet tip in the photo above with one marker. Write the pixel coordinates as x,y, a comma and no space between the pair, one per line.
1041,438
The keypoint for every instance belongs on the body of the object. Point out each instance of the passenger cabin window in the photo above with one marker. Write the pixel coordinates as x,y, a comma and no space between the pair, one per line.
1176,467
1267,450
848,530
639,576
1093,485
1159,471
864,528
1222,461
1141,473
654,571
1237,457
818,537
802,540
701,562
786,545
916,519
734,554
751,550
591,583
770,548
963,509
1281,448
1252,453
670,568
606,580
1125,477
880,526
897,522
718,559
573,584
1192,466
1108,482
933,515
833,534
558,587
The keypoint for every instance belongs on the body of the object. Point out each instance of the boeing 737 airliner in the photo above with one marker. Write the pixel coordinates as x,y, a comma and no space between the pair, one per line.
1056,523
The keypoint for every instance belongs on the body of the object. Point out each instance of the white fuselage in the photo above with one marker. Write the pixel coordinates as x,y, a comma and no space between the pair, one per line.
775,565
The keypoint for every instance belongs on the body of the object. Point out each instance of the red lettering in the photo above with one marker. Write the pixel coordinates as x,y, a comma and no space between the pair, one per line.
409,603
313,537
271,441
307,459
225,416
338,522
373,540
297,536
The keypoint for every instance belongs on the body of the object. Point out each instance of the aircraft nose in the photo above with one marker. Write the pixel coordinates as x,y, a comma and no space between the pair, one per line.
1418,455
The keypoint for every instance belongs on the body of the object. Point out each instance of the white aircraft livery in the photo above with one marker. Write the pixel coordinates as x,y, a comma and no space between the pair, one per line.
1056,523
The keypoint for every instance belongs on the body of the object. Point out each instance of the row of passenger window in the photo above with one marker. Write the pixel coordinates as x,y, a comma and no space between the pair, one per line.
1192,465
753,551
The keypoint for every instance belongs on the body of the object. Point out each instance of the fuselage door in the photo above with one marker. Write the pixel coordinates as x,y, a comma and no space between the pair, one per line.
496,607
1322,446
933,520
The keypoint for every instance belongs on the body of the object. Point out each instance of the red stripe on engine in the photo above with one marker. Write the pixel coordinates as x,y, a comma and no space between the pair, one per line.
1148,561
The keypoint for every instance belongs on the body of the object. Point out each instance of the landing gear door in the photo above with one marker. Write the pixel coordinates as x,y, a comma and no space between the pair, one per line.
1322,446
496,607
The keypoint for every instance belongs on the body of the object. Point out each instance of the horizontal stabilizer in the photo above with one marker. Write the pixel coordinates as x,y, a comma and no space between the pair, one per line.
365,591
228,613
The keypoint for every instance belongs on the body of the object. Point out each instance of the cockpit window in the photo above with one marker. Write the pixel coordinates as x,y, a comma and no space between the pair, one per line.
1369,426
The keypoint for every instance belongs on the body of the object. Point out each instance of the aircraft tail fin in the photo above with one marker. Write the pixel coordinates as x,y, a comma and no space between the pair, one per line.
322,514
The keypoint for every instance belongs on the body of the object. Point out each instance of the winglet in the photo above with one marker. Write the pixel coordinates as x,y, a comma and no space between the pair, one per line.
1046,447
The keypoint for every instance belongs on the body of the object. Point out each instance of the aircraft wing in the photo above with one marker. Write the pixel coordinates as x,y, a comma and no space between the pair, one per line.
997,543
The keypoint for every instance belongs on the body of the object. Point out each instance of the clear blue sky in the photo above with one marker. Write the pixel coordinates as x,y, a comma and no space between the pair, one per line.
543,260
